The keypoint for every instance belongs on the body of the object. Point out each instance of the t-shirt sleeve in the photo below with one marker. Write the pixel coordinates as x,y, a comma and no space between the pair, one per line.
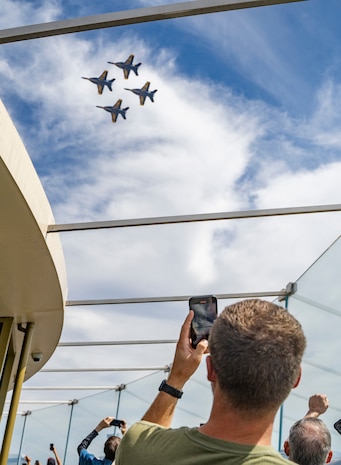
140,432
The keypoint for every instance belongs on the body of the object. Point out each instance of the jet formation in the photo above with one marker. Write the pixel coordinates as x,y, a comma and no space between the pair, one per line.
102,82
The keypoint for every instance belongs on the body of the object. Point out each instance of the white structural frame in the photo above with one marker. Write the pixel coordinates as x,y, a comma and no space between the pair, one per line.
127,17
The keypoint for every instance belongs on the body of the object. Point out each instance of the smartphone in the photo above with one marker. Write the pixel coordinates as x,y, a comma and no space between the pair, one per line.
51,446
205,312
118,423
337,426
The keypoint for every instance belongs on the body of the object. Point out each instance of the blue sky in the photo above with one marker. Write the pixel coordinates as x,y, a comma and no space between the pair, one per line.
247,115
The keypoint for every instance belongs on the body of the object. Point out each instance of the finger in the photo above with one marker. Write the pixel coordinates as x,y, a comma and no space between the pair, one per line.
185,328
202,347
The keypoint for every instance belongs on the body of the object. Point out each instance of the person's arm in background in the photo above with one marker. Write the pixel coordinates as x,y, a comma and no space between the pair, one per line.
54,450
27,459
105,423
186,362
317,405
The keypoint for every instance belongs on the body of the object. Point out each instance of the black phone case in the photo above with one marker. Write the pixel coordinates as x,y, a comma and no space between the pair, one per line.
194,301
337,426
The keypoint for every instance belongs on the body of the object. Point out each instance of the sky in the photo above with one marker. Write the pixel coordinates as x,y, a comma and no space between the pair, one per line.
246,116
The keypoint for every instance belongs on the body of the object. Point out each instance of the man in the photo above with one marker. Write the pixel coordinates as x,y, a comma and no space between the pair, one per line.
110,445
256,350
309,441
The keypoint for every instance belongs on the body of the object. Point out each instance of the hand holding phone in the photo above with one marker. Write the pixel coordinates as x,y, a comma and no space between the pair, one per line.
118,423
205,312
51,446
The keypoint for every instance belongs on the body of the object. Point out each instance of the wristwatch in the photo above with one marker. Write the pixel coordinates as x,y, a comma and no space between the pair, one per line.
170,389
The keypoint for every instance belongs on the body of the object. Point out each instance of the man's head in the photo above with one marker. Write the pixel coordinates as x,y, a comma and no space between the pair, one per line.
309,442
110,447
256,350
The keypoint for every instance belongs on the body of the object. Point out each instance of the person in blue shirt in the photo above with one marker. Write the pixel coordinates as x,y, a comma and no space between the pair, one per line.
110,445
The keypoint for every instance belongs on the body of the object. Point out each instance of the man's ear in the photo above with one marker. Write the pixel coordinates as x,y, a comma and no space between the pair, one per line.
329,456
297,382
286,448
211,374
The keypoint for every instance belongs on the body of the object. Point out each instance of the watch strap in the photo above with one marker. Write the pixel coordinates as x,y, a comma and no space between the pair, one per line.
170,390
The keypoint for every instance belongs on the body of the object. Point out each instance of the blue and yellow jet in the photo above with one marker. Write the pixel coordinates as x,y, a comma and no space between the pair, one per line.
143,93
116,110
127,66
101,81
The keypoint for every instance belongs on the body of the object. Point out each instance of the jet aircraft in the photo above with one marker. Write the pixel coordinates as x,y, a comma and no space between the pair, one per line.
127,66
116,110
101,81
143,93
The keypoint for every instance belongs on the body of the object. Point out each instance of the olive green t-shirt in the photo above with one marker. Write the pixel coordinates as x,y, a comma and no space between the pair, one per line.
150,444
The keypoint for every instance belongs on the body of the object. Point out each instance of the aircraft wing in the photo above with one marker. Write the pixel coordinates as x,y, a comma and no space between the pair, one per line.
126,73
129,60
146,86
100,88
114,117
118,103
104,75
142,99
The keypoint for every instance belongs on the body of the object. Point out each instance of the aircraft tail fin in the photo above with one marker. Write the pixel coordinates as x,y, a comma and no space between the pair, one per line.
152,95
124,112
110,83
135,68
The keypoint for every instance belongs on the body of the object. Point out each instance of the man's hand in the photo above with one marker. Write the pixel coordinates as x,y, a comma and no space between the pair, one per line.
105,423
123,427
186,359
318,404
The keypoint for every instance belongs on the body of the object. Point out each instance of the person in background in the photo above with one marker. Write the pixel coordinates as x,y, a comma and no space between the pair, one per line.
110,445
309,441
50,460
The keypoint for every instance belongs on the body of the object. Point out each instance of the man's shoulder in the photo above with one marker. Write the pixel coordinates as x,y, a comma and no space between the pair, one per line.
176,445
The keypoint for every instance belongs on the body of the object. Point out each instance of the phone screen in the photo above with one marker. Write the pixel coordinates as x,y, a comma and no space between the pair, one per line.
205,312
337,426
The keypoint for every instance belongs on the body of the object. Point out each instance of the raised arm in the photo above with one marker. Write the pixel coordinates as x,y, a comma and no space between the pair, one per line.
58,460
186,362
317,405
105,423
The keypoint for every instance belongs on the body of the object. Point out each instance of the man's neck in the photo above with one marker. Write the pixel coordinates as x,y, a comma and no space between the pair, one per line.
231,425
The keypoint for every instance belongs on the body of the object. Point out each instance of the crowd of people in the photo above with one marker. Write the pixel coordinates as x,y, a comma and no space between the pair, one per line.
253,360
50,461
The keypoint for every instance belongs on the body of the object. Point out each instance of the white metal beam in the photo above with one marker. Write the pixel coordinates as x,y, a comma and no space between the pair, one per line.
123,18
193,218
